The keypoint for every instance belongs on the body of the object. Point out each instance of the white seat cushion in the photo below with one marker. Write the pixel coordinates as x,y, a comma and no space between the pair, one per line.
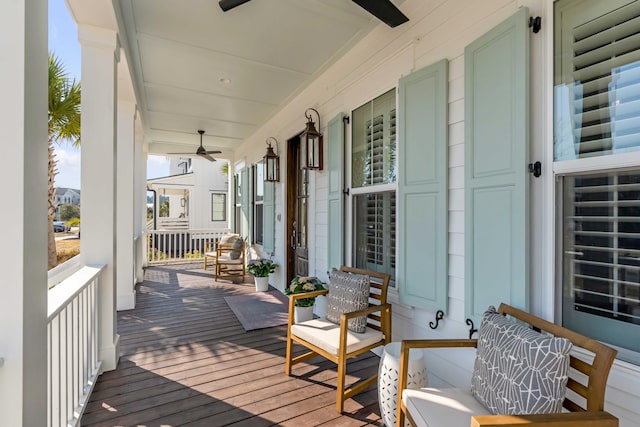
438,407
227,260
325,334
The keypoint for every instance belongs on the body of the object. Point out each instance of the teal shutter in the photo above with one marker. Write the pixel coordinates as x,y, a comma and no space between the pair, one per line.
268,217
496,178
422,188
335,166
244,201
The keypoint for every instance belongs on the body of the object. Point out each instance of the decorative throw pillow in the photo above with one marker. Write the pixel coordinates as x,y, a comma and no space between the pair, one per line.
348,292
228,238
518,370
236,248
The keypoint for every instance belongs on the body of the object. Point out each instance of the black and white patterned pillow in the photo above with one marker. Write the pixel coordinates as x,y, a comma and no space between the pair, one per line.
518,370
348,292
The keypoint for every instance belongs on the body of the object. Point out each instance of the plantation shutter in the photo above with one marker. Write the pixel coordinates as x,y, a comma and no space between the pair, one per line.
268,218
596,78
422,188
601,248
335,165
496,177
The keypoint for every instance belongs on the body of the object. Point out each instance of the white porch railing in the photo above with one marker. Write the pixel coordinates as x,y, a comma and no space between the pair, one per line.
166,223
173,246
72,334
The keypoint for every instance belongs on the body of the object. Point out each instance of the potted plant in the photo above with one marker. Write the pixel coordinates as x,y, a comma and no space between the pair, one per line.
261,268
303,309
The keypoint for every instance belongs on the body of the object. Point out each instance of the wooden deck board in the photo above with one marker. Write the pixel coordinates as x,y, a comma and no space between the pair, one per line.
187,361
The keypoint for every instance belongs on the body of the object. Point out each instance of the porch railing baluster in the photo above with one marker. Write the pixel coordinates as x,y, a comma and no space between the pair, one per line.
72,337
172,246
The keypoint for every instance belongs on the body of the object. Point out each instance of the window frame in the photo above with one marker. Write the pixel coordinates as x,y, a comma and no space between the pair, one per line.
565,169
224,206
351,228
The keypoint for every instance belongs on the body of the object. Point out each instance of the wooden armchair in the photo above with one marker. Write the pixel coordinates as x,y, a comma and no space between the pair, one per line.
230,259
338,344
210,254
584,401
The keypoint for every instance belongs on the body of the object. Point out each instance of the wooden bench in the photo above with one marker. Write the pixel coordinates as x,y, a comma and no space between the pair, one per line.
583,404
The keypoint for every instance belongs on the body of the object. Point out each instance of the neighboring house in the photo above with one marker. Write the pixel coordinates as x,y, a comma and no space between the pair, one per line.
195,193
67,196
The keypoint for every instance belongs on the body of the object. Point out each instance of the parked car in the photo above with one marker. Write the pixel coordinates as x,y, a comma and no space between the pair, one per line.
59,226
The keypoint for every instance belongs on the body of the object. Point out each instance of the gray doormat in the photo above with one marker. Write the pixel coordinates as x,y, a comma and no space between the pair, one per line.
260,309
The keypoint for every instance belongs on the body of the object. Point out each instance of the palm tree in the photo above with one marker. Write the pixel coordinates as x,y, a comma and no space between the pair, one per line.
64,127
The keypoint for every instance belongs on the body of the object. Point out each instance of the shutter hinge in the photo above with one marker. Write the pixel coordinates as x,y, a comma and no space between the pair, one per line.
345,120
535,169
535,24
345,191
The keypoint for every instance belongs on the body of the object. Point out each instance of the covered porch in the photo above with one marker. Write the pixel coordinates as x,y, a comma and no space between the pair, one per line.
442,167
185,359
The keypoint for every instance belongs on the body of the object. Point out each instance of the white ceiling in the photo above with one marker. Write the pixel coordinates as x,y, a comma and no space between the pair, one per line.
181,51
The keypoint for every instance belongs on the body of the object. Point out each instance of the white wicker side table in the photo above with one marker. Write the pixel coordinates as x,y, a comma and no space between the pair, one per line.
388,379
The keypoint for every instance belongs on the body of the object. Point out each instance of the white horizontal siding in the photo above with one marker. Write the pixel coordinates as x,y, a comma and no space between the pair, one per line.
439,29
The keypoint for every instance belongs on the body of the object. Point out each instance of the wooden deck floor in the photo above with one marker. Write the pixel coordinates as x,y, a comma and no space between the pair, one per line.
187,361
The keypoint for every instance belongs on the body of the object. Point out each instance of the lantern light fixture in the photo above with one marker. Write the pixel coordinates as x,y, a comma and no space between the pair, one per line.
311,143
271,162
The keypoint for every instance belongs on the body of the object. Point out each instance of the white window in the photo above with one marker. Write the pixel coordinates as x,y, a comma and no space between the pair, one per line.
596,116
373,179
218,207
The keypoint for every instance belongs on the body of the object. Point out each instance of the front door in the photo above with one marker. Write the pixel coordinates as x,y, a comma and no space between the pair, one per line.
297,206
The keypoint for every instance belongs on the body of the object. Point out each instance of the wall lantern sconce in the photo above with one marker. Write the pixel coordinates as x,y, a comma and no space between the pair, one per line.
271,162
311,143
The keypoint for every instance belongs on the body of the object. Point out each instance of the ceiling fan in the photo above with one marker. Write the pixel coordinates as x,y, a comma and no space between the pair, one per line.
201,150
384,10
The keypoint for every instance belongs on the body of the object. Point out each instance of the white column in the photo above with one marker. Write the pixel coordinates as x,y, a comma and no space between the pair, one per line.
23,254
140,201
125,206
98,211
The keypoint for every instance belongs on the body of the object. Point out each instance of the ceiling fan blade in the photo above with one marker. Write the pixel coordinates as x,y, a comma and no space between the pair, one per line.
213,151
384,10
226,5
206,156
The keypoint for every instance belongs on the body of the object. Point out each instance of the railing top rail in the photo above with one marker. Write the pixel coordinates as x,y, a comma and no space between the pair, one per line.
60,295
188,230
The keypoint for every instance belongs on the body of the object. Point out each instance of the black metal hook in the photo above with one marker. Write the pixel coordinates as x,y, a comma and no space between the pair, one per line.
472,329
535,24
535,169
439,317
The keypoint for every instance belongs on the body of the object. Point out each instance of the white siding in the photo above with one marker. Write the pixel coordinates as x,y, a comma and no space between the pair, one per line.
438,29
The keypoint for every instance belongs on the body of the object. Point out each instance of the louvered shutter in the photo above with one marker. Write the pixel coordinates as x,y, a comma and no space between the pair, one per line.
597,78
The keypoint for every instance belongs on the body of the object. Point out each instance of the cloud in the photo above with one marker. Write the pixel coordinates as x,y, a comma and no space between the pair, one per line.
68,167
157,166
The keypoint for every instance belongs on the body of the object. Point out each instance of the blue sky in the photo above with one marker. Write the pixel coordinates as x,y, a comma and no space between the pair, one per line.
63,41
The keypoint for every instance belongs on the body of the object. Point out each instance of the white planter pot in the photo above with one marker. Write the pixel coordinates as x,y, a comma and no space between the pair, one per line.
262,283
302,314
